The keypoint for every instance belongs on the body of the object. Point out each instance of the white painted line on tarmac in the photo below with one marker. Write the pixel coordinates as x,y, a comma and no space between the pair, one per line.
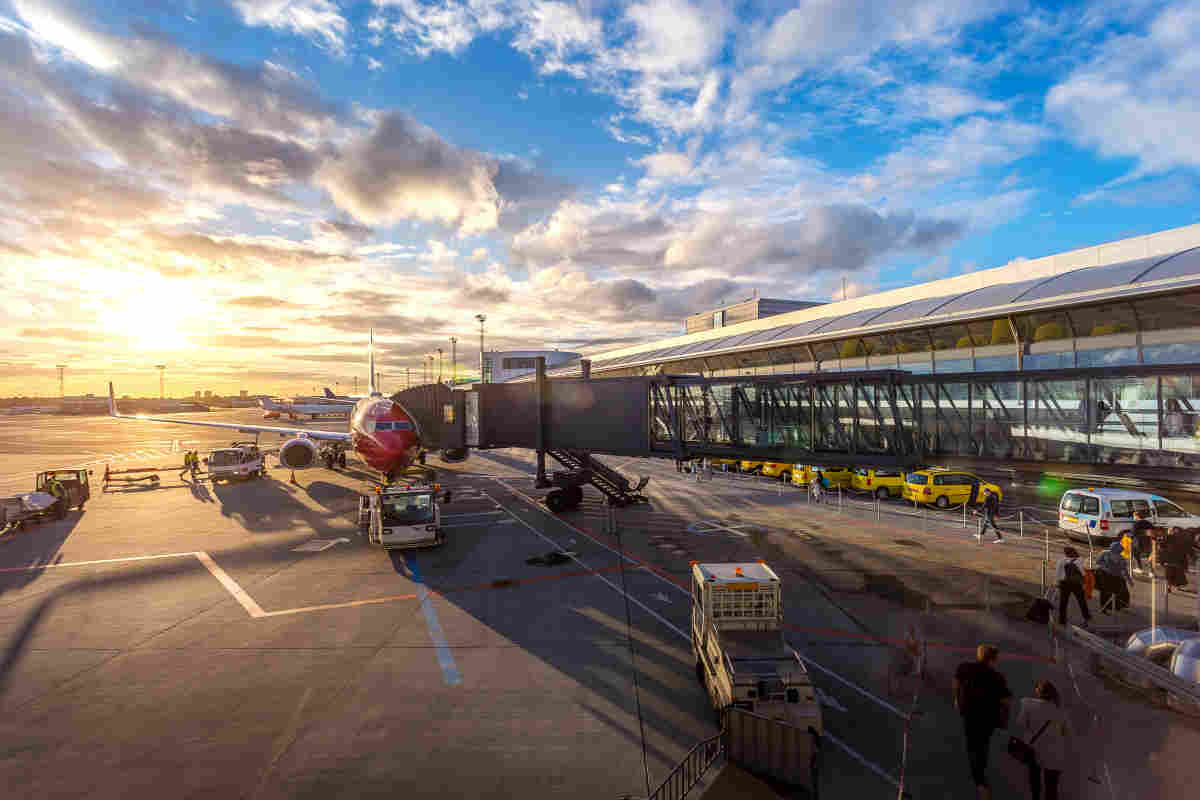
474,514
611,585
231,586
97,561
318,545
445,656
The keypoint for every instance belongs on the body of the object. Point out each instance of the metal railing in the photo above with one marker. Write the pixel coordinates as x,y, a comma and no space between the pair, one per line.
688,772
1134,665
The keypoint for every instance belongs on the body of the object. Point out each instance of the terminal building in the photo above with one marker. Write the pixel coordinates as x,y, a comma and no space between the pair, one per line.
501,366
1086,356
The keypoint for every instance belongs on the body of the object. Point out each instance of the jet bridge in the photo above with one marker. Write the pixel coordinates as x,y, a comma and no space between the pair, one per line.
1137,421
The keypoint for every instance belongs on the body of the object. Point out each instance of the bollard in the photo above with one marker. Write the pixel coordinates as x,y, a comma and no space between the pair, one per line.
964,515
1021,522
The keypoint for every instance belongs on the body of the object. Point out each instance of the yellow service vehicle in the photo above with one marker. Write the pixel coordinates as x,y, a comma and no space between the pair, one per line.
945,488
837,477
883,483
750,467
725,462
775,469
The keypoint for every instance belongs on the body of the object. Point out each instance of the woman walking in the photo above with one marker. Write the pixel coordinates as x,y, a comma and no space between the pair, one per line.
1042,723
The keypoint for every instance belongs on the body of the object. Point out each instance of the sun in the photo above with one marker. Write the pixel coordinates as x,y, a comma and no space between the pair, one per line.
149,316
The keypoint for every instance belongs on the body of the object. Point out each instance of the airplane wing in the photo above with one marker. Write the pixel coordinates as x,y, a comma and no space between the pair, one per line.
311,434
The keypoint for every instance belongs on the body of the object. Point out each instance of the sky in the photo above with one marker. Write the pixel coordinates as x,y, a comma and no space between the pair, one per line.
241,189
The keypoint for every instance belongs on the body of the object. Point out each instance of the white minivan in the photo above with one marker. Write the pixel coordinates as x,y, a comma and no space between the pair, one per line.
1107,514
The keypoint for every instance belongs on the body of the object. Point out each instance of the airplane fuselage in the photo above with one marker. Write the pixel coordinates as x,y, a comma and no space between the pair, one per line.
385,436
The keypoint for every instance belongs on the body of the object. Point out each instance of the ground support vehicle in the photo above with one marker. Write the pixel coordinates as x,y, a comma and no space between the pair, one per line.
945,488
55,492
239,460
743,659
402,515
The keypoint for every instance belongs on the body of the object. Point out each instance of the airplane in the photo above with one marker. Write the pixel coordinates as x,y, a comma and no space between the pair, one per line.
382,432
300,406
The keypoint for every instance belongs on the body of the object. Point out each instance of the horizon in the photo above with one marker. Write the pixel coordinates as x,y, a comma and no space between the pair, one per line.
241,190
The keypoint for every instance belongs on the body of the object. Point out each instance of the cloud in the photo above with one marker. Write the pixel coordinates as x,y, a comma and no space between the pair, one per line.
402,169
384,324
66,334
479,255
348,232
1137,95
260,96
371,301
261,301
320,20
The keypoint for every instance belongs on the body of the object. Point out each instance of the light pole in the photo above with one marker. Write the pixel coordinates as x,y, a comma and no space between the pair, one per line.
439,365
482,319
453,361
60,368
162,394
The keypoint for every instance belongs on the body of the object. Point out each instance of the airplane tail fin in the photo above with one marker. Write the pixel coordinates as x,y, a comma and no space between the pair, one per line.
329,393
371,389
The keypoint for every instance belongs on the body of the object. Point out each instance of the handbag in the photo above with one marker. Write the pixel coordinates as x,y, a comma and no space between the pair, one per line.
1024,752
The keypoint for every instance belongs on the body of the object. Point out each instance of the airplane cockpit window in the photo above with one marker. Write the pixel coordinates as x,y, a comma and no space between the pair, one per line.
408,510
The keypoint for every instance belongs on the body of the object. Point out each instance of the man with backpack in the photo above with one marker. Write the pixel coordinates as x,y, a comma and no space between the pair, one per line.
1070,582
991,507
982,697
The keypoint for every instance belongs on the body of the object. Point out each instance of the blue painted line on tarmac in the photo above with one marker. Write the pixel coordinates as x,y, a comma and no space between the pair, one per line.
444,656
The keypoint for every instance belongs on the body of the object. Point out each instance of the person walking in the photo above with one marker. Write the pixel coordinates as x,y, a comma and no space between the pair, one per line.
1113,579
991,507
187,464
982,698
1042,724
1178,553
1070,583
1141,538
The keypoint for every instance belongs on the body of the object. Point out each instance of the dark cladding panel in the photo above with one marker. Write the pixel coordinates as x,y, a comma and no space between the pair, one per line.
607,415
508,414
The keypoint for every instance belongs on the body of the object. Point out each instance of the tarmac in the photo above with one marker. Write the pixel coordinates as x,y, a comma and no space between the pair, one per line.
242,640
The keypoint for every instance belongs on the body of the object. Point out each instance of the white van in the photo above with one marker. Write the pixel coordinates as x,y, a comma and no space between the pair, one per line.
1107,514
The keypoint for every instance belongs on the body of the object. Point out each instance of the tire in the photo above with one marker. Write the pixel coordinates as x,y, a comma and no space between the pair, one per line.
882,493
574,496
556,501
942,502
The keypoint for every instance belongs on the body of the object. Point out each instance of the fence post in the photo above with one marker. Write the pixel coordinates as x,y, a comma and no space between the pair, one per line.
964,516
1021,521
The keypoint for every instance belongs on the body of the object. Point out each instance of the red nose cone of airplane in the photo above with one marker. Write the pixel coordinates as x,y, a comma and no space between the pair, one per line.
385,435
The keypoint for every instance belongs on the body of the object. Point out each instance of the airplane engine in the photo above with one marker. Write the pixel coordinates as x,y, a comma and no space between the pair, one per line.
299,453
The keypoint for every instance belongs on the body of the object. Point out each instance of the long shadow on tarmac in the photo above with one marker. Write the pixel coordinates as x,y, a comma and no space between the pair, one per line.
268,505
33,546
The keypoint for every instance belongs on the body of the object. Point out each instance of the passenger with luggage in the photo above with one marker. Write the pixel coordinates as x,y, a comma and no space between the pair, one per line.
1040,739
1113,579
982,697
1070,584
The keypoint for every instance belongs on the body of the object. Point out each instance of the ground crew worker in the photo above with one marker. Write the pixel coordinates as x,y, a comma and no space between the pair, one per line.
195,460
55,488
187,464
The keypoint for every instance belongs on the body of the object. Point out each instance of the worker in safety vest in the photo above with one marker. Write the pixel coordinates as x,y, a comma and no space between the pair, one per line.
59,491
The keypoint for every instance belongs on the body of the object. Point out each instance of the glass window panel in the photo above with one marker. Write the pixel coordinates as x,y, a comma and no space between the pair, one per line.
1181,414
1185,263
768,334
1107,357
1043,326
912,310
851,348
950,337
986,297
953,365
825,351
1105,320
997,417
914,341
1088,279
847,321
1124,417
1182,353
1006,363
1174,311
917,366
1058,420
1062,360
877,345
980,332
